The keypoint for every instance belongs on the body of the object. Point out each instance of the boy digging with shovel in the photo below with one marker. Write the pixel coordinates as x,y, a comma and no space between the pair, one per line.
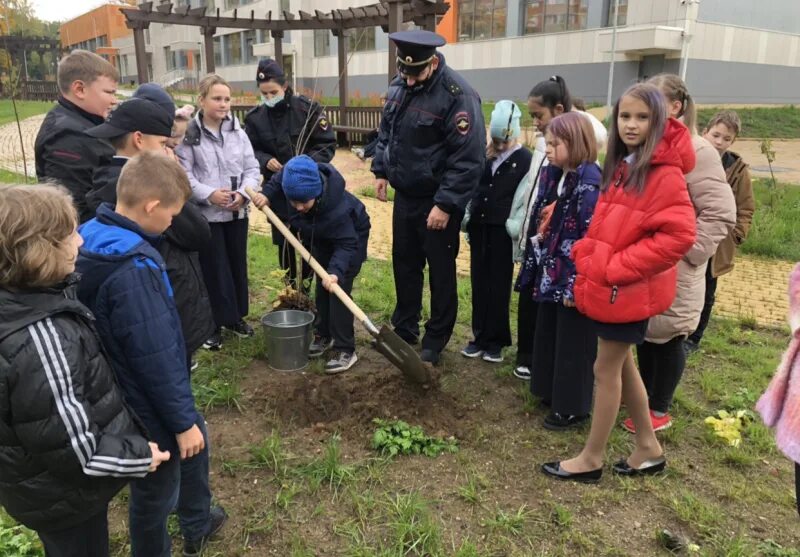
334,227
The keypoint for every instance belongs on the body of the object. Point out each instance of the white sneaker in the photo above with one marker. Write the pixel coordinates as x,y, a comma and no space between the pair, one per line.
522,372
493,357
341,361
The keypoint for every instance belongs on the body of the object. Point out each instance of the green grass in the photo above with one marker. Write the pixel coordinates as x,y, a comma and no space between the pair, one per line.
775,231
26,109
8,177
16,540
780,122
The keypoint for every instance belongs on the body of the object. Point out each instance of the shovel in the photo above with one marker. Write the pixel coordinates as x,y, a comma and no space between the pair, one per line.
388,343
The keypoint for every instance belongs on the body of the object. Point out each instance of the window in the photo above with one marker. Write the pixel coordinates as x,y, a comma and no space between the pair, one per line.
552,16
322,42
169,57
233,49
249,41
101,41
361,39
284,6
623,13
230,4
481,19
147,36
218,51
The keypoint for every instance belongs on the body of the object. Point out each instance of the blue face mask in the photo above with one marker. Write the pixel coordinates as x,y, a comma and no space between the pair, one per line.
273,102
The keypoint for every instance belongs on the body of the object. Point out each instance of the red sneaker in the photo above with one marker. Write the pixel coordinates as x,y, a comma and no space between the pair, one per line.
659,422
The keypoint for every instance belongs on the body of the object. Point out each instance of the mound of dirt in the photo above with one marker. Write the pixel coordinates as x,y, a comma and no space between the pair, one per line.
350,401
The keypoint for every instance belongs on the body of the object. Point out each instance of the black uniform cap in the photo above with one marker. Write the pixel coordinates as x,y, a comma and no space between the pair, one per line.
268,69
415,49
135,115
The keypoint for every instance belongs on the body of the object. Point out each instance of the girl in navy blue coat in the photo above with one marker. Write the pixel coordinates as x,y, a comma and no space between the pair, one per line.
565,344
334,226
492,257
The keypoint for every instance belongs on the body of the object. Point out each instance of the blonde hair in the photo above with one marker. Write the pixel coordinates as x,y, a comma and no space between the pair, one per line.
728,118
152,175
209,81
82,65
674,88
34,223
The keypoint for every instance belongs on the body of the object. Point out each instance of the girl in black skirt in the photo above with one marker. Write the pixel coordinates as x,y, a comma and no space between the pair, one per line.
492,262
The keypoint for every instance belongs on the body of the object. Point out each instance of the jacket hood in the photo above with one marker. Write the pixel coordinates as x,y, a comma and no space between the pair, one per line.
21,308
112,237
675,147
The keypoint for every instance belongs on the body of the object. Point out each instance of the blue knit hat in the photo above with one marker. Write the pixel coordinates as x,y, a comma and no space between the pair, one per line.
505,121
155,93
301,179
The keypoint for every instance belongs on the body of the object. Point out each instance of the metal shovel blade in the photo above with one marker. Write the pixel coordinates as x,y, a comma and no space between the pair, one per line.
397,351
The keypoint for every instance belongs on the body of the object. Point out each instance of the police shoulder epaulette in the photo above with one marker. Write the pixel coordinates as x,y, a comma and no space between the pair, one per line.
453,87
304,99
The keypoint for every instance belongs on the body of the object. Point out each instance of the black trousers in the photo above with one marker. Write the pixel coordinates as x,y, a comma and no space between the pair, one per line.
334,320
527,309
224,266
87,539
564,351
412,246
711,291
491,271
797,485
661,366
287,259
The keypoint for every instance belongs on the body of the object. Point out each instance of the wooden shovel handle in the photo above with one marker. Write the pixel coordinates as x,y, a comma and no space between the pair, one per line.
323,274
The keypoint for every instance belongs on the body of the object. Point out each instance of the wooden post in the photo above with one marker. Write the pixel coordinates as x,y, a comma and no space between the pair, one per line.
141,53
343,36
277,37
395,24
208,38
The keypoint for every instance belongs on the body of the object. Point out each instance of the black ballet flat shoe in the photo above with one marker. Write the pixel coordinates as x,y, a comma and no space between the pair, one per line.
554,470
648,467
561,422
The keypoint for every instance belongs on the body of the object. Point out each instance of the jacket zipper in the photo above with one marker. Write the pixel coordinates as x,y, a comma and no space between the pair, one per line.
613,294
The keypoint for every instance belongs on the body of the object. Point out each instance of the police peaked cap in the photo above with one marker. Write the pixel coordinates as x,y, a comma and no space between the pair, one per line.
268,69
415,49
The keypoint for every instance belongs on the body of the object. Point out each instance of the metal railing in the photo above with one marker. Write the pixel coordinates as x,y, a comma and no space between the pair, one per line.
38,90
173,77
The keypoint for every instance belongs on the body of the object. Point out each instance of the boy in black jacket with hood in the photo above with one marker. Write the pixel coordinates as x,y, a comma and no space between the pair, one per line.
334,226
68,440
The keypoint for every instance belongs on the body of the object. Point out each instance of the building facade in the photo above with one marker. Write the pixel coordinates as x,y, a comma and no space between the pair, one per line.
733,51
100,30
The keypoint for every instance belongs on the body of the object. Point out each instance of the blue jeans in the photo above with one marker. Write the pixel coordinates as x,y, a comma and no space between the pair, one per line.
176,482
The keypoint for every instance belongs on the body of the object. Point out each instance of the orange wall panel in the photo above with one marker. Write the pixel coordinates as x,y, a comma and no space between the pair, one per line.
448,26
105,20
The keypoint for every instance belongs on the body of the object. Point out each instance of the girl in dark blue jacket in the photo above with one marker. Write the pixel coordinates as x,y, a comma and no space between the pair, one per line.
564,344
334,226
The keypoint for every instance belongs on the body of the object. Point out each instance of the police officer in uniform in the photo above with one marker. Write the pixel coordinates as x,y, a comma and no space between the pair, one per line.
431,149
284,125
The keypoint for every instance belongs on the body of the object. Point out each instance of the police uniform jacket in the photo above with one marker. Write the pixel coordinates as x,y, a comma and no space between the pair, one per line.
66,155
275,132
432,139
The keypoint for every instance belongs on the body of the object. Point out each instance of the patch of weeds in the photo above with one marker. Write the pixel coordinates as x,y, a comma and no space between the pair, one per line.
260,521
414,530
696,512
529,402
286,494
396,437
771,548
270,454
561,516
329,469
510,523
17,540
299,547
503,371
371,193
468,548
471,491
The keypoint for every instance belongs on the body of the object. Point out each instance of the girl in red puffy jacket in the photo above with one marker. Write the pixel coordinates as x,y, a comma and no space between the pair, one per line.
643,224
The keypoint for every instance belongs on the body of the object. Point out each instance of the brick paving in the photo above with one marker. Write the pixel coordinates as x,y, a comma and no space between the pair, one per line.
10,152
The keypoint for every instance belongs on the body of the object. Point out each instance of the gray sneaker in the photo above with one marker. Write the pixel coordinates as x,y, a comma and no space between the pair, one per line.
319,346
341,361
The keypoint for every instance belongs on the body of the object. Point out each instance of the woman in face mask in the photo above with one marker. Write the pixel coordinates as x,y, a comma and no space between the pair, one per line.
283,126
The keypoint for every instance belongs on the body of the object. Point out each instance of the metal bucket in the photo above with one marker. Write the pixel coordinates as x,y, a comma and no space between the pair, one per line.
288,334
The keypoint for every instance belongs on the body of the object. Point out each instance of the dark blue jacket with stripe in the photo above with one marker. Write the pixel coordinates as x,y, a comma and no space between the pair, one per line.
124,282
68,441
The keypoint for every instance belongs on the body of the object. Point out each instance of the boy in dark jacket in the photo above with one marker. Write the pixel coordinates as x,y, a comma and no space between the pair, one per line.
140,125
68,441
334,226
64,154
127,287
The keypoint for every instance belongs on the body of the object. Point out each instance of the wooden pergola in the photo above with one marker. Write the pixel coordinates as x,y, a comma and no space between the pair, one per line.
388,14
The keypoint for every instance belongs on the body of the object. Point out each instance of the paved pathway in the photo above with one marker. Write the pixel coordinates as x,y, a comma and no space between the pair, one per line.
755,289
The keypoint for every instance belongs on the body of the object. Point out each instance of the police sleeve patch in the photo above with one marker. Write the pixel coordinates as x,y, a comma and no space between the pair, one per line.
463,123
